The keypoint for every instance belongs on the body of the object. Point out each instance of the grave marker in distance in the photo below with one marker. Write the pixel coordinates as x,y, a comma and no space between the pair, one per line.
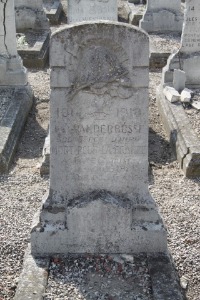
87,10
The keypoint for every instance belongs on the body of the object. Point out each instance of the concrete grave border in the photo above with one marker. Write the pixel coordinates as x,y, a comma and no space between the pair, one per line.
12,123
184,141
34,277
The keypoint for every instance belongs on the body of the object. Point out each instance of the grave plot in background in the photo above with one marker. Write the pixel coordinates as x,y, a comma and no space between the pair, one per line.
99,145
33,32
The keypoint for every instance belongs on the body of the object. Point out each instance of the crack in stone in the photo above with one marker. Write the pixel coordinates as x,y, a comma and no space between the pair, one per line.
4,23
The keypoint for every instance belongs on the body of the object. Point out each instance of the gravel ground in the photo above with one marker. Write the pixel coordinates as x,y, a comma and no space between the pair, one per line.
99,277
165,42
22,189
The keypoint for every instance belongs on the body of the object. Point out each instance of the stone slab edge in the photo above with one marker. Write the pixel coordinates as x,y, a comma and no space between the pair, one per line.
33,279
184,141
164,278
54,13
12,124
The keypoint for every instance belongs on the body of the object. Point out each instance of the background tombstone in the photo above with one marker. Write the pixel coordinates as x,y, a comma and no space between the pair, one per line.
86,10
15,94
98,197
162,16
33,31
188,56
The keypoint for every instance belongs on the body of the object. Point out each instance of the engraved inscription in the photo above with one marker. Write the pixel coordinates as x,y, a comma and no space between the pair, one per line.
99,122
191,35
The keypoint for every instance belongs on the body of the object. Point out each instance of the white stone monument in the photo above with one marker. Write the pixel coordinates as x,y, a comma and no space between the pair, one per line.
162,16
188,56
12,71
88,10
98,198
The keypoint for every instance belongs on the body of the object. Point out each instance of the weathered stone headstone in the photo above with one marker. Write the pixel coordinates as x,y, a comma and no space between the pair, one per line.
98,198
188,57
162,16
33,31
87,10
15,94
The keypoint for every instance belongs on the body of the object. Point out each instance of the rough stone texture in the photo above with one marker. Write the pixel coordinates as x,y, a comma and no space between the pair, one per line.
186,95
33,279
53,10
12,71
18,104
124,11
162,16
187,58
184,141
85,10
98,199
30,15
171,94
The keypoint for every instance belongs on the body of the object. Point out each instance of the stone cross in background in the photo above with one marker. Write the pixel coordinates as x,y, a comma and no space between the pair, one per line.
162,16
12,71
87,10
188,57
98,198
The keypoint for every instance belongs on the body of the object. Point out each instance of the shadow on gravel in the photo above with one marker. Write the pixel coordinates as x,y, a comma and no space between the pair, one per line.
160,151
32,139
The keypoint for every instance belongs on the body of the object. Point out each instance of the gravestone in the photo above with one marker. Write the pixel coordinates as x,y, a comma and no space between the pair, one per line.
15,94
33,32
162,16
98,199
87,10
188,56
30,15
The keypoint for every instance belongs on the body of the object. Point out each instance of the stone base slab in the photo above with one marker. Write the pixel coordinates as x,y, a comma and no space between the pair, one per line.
36,53
183,139
53,10
100,223
18,102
